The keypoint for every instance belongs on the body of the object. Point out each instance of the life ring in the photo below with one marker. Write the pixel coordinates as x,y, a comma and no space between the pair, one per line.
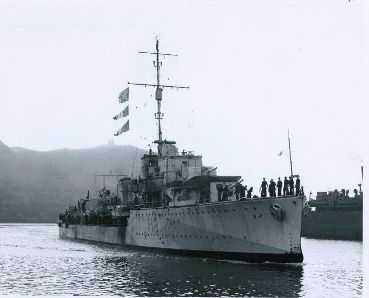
277,211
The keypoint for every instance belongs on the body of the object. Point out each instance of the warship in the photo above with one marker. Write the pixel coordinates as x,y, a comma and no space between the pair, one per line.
334,215
179,206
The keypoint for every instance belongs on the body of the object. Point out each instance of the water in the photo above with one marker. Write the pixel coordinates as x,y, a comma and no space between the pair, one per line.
34,261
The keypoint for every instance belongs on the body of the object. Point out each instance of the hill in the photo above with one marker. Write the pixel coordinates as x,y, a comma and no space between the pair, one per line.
35,186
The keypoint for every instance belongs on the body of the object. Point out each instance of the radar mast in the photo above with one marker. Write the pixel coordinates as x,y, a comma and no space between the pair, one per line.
159,90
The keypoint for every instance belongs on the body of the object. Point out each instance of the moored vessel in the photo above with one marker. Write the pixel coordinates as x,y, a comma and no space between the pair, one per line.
180,206
334,215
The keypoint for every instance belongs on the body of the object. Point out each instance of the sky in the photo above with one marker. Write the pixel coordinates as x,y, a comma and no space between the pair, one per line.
255,69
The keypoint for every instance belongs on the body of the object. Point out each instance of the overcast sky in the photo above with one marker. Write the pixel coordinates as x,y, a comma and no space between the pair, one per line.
255,69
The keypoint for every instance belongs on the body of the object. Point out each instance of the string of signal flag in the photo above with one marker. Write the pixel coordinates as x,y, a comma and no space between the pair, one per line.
123,97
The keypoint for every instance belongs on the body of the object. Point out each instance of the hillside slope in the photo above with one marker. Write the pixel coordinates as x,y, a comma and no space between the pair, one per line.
35,186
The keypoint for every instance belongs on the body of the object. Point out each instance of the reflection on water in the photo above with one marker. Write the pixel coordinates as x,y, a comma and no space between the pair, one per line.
34,261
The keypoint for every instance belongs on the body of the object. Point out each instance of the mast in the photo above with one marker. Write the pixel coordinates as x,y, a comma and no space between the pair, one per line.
158,90
289,149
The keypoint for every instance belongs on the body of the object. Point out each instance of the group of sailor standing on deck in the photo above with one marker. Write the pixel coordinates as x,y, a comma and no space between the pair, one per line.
289,187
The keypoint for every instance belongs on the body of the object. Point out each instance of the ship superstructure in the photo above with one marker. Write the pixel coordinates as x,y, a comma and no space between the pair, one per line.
179,205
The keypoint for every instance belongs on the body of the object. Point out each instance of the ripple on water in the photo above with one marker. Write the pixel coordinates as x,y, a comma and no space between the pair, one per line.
34,261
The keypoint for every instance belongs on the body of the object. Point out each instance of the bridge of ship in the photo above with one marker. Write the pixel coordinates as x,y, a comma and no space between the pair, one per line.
174,179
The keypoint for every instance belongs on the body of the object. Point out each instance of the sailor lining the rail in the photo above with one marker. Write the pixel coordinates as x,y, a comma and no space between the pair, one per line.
263,188
289,187
285,186
220,190
291,184
272,188
297,185
249,192
279,186
240,191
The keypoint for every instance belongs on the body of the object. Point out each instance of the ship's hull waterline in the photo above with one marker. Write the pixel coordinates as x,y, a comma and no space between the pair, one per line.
236,230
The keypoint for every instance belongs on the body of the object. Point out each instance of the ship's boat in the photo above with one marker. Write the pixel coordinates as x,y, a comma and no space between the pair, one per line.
180,206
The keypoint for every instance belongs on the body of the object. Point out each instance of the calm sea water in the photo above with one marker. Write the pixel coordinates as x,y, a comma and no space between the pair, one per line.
34,261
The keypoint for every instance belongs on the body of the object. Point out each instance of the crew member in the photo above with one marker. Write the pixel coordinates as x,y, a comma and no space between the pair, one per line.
220,190
298,185
242,191
279,186
272,188
238,190
291,183
263,187
285,186
249,192
225,193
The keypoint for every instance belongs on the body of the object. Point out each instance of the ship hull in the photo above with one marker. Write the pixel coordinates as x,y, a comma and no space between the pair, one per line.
238,230
333,224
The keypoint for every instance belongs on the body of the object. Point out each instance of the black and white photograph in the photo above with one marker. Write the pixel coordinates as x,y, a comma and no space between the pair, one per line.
183,148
